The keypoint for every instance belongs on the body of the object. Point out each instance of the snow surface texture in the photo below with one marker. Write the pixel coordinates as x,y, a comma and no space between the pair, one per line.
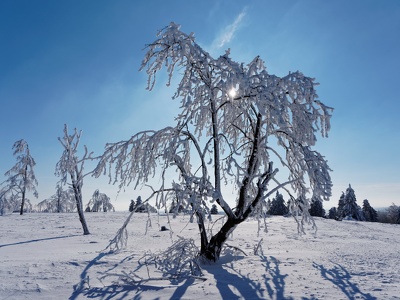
45,256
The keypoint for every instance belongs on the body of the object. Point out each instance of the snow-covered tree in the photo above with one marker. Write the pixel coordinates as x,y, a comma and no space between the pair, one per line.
6,204
100,202
369,212
70,165
316,209
332,214
21,178
230,117
142,207
131,206
393,214
278,206
214,210
62,201
139,207
348,208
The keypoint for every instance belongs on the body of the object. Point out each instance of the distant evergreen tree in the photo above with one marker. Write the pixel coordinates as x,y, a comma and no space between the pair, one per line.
332,214
348,207
316,209
370,214
214,210
340,214
131,206
138,206
278,207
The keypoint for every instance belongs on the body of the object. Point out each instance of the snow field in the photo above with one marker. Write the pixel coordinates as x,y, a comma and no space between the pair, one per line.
45,256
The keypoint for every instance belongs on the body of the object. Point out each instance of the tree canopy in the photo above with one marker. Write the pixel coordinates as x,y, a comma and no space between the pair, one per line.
233,117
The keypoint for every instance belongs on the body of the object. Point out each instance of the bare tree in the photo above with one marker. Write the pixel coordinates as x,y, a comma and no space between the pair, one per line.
21,177
231,115
71,166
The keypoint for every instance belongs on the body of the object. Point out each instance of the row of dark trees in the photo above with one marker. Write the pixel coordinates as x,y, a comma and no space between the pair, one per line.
347,209
141,207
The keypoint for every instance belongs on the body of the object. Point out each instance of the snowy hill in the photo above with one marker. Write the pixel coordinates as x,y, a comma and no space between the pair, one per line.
45,256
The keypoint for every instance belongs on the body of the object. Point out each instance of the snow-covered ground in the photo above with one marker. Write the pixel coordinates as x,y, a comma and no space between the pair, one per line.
45,256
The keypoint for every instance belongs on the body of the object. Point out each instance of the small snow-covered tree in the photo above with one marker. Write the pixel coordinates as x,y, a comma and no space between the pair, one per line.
230,117
214,210
332,214
100,202
6,204
278,206
340,213
393,214
131,206
70,165
316,209
369,212
62,201
21,178
139,206
348,207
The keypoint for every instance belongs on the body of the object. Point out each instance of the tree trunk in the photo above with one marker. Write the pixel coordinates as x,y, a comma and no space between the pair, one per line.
203,233
82,219
21,212
213,250
79,206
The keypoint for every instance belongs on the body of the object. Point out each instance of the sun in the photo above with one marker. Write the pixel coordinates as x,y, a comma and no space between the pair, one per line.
232,93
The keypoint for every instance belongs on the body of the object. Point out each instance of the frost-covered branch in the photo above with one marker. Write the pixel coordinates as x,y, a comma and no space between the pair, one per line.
223,137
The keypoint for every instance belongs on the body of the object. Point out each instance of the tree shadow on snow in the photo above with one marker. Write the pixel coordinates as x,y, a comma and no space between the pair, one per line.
231,284
274,280
84,284
127,289
40,240
340,277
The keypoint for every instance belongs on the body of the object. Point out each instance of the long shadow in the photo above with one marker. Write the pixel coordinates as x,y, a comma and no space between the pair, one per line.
274,280
340,277
39,240
116,291
84,284
230,282
228,279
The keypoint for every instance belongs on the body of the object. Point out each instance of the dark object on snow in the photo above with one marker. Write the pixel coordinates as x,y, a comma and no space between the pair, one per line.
163,228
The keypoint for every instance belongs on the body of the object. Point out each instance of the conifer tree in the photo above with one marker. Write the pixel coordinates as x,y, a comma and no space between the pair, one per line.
332,214
348,207
131,206
278,207
316,209
214,210
369,212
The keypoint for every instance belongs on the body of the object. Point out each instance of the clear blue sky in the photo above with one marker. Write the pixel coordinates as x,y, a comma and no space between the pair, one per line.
76,62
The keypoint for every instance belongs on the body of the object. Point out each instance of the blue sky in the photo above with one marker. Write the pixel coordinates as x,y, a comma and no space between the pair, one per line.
76,63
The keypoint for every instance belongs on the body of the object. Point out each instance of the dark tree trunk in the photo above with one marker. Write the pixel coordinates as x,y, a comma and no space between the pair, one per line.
21,212
213,249
79,206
